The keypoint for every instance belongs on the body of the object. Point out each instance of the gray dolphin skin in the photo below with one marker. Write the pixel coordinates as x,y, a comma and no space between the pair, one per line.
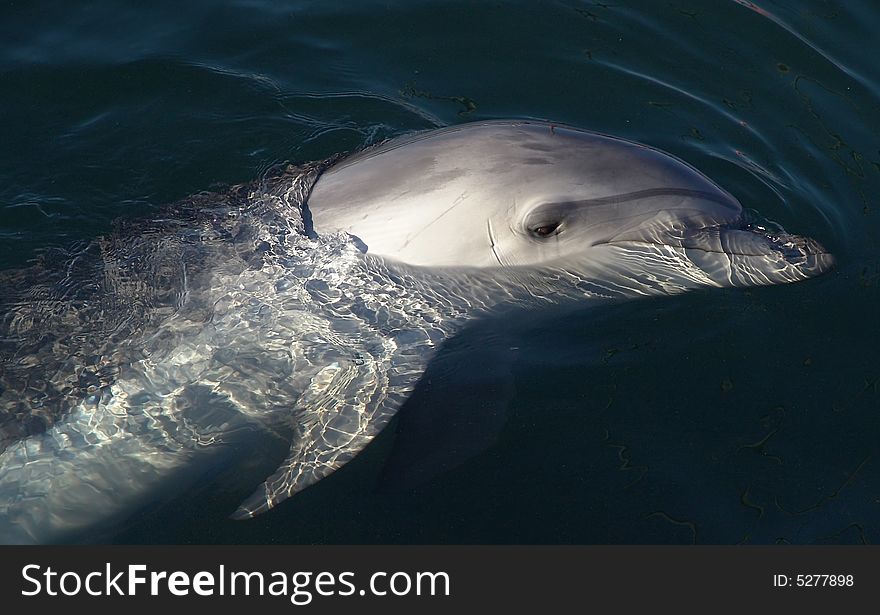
305,307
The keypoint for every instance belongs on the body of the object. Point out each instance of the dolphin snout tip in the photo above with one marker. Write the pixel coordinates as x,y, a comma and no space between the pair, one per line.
819,261
805,253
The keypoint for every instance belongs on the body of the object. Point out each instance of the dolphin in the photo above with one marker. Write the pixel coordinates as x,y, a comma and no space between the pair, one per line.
303,308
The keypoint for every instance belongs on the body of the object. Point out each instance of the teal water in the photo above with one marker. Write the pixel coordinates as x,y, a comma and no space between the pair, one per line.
723,417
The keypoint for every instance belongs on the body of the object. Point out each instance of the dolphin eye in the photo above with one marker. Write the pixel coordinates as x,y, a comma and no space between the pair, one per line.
545,230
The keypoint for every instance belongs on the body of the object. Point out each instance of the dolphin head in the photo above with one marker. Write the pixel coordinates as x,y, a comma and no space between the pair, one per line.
698,237
517,195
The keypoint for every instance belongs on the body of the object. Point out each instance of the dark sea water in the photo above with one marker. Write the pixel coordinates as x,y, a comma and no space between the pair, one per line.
732,416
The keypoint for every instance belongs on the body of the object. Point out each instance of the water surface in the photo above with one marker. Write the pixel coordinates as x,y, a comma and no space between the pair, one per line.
717,417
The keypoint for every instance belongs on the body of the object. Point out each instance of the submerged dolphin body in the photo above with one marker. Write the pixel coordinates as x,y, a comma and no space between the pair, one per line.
312,301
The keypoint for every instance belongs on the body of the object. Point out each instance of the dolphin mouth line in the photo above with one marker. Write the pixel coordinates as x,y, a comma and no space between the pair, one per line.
761,242
734,252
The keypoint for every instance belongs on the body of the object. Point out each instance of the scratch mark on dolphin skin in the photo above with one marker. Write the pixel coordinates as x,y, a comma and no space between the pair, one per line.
459,199
827,498
684,522
492,242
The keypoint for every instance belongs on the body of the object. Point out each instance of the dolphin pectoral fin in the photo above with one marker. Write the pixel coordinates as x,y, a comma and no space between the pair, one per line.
341,411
